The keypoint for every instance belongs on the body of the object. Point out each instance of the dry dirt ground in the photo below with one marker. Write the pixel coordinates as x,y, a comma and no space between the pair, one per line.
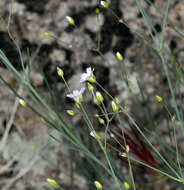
29,155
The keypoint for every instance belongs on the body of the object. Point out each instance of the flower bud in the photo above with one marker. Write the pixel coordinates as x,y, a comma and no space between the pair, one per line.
90,87
60,72
51,182
117,100
104,4
173,118
114,107
96,101
70,20
98,185
126,185
127,148
95,135
159,98
42,120
119,56
47,34
70,112
92,79
97,10
22,103
99,97
101,121
112,135
123,154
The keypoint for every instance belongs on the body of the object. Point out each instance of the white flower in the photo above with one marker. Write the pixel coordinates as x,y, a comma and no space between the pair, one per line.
88,76
77,95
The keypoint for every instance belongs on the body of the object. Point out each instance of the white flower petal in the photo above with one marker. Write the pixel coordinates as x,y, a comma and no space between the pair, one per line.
70,95
86,76
76,94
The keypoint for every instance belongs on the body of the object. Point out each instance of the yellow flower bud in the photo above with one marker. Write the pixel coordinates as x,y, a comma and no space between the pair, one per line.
99,97
60,72
173,118
159,98
117,101
98,185
70,112
126,185
97,10
47,34
101,121
70,20
42,120
51,182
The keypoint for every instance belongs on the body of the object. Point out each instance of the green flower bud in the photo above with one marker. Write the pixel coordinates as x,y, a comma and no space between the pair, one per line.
93,79
126,185
60,72
159,98
99,97
70,112
173,119
97,10
117,101
22,103
42,120
119,56
114,107
70,20
101,121
104,4
47,34
51,182
90,87
98,185
95,135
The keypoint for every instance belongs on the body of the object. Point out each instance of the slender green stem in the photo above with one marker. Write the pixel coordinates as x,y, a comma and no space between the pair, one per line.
104,90
156,151
164,25
170,87
101,145
127,153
